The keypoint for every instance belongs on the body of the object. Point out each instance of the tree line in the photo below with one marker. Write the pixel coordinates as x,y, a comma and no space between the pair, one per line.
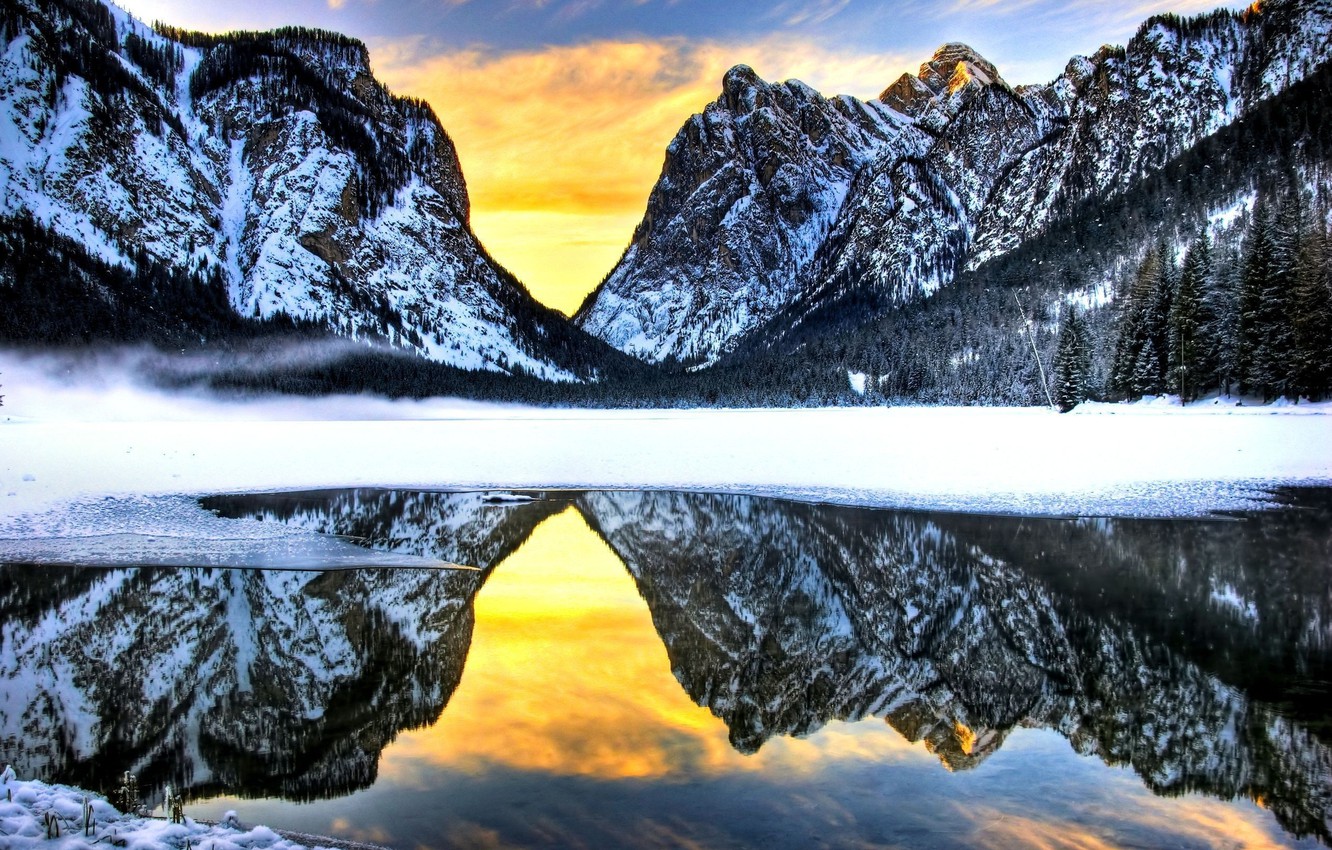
1257,321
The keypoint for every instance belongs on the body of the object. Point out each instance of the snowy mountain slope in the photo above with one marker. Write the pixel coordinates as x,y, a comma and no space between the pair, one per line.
963,168
1126,113
748,192
273,163
239,679
810,614
967,343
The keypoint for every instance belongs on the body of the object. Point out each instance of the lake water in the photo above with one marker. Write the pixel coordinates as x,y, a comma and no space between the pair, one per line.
631,669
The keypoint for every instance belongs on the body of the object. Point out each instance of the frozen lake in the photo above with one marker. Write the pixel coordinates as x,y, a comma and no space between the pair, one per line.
651,669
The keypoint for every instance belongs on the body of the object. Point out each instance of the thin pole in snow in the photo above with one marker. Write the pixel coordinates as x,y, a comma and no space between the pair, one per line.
1031,337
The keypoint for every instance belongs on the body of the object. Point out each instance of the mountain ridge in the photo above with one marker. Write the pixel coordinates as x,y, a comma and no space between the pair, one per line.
979,168
254,184
271,164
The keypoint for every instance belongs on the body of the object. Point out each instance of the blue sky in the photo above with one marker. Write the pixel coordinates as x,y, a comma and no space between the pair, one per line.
562,109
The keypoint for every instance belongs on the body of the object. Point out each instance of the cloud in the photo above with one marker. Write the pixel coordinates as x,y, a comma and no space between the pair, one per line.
561,144
1006,7
808,12
1193,821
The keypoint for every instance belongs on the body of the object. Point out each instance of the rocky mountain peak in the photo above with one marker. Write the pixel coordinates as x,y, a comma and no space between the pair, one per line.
272,167
956,59
740,89
953,68
768,159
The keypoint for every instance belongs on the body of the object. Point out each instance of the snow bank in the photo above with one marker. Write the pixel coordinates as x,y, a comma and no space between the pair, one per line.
24,823
85,459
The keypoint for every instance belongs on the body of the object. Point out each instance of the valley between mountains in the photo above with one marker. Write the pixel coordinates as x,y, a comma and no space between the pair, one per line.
944,468
942,243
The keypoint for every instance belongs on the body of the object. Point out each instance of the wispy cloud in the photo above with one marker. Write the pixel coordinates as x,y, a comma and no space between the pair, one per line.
996,6
810,12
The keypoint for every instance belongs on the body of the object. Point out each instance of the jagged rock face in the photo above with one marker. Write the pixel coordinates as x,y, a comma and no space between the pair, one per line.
971,168
240,679
251,682
748,192
276,159
782,617
946,83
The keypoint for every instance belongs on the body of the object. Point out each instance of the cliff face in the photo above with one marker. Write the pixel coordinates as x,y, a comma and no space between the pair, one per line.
748,193
949,168
272,165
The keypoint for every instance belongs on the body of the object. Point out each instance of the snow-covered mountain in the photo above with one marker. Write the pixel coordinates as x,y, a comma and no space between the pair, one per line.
775,198
750,189
273,165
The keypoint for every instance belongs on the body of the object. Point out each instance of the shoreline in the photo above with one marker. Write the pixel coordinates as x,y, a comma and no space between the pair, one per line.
37,807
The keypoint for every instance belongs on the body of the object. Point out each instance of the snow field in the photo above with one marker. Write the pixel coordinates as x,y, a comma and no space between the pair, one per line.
1012,460
1105,459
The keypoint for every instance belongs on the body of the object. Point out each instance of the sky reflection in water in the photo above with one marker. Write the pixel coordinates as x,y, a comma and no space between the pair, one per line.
568,728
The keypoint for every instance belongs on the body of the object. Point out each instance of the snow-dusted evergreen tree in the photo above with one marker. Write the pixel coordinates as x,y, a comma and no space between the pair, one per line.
1146,371
1265,337
1158,316
1072,364
1221,325
1311,361
1138,368
1188,344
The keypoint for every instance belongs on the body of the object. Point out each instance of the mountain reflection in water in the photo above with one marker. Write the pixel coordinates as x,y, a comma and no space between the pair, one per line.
724,673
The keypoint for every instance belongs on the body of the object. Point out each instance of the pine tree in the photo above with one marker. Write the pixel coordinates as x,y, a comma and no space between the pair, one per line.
1158,315
1146,378
1221,325
1072,365
1261,309
1134,326
1311,360
1187,324
1141,359
1278,308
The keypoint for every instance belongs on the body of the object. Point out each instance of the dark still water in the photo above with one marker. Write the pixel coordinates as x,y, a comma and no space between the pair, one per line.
673,670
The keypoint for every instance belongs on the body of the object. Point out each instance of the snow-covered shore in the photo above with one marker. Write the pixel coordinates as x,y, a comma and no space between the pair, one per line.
30,811
1130,460
76,459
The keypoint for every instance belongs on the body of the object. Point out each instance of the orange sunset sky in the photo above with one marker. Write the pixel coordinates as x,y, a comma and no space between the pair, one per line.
562,109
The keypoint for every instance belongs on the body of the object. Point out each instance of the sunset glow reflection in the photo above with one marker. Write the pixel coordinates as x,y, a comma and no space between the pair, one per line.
567,682
569,728
534,698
